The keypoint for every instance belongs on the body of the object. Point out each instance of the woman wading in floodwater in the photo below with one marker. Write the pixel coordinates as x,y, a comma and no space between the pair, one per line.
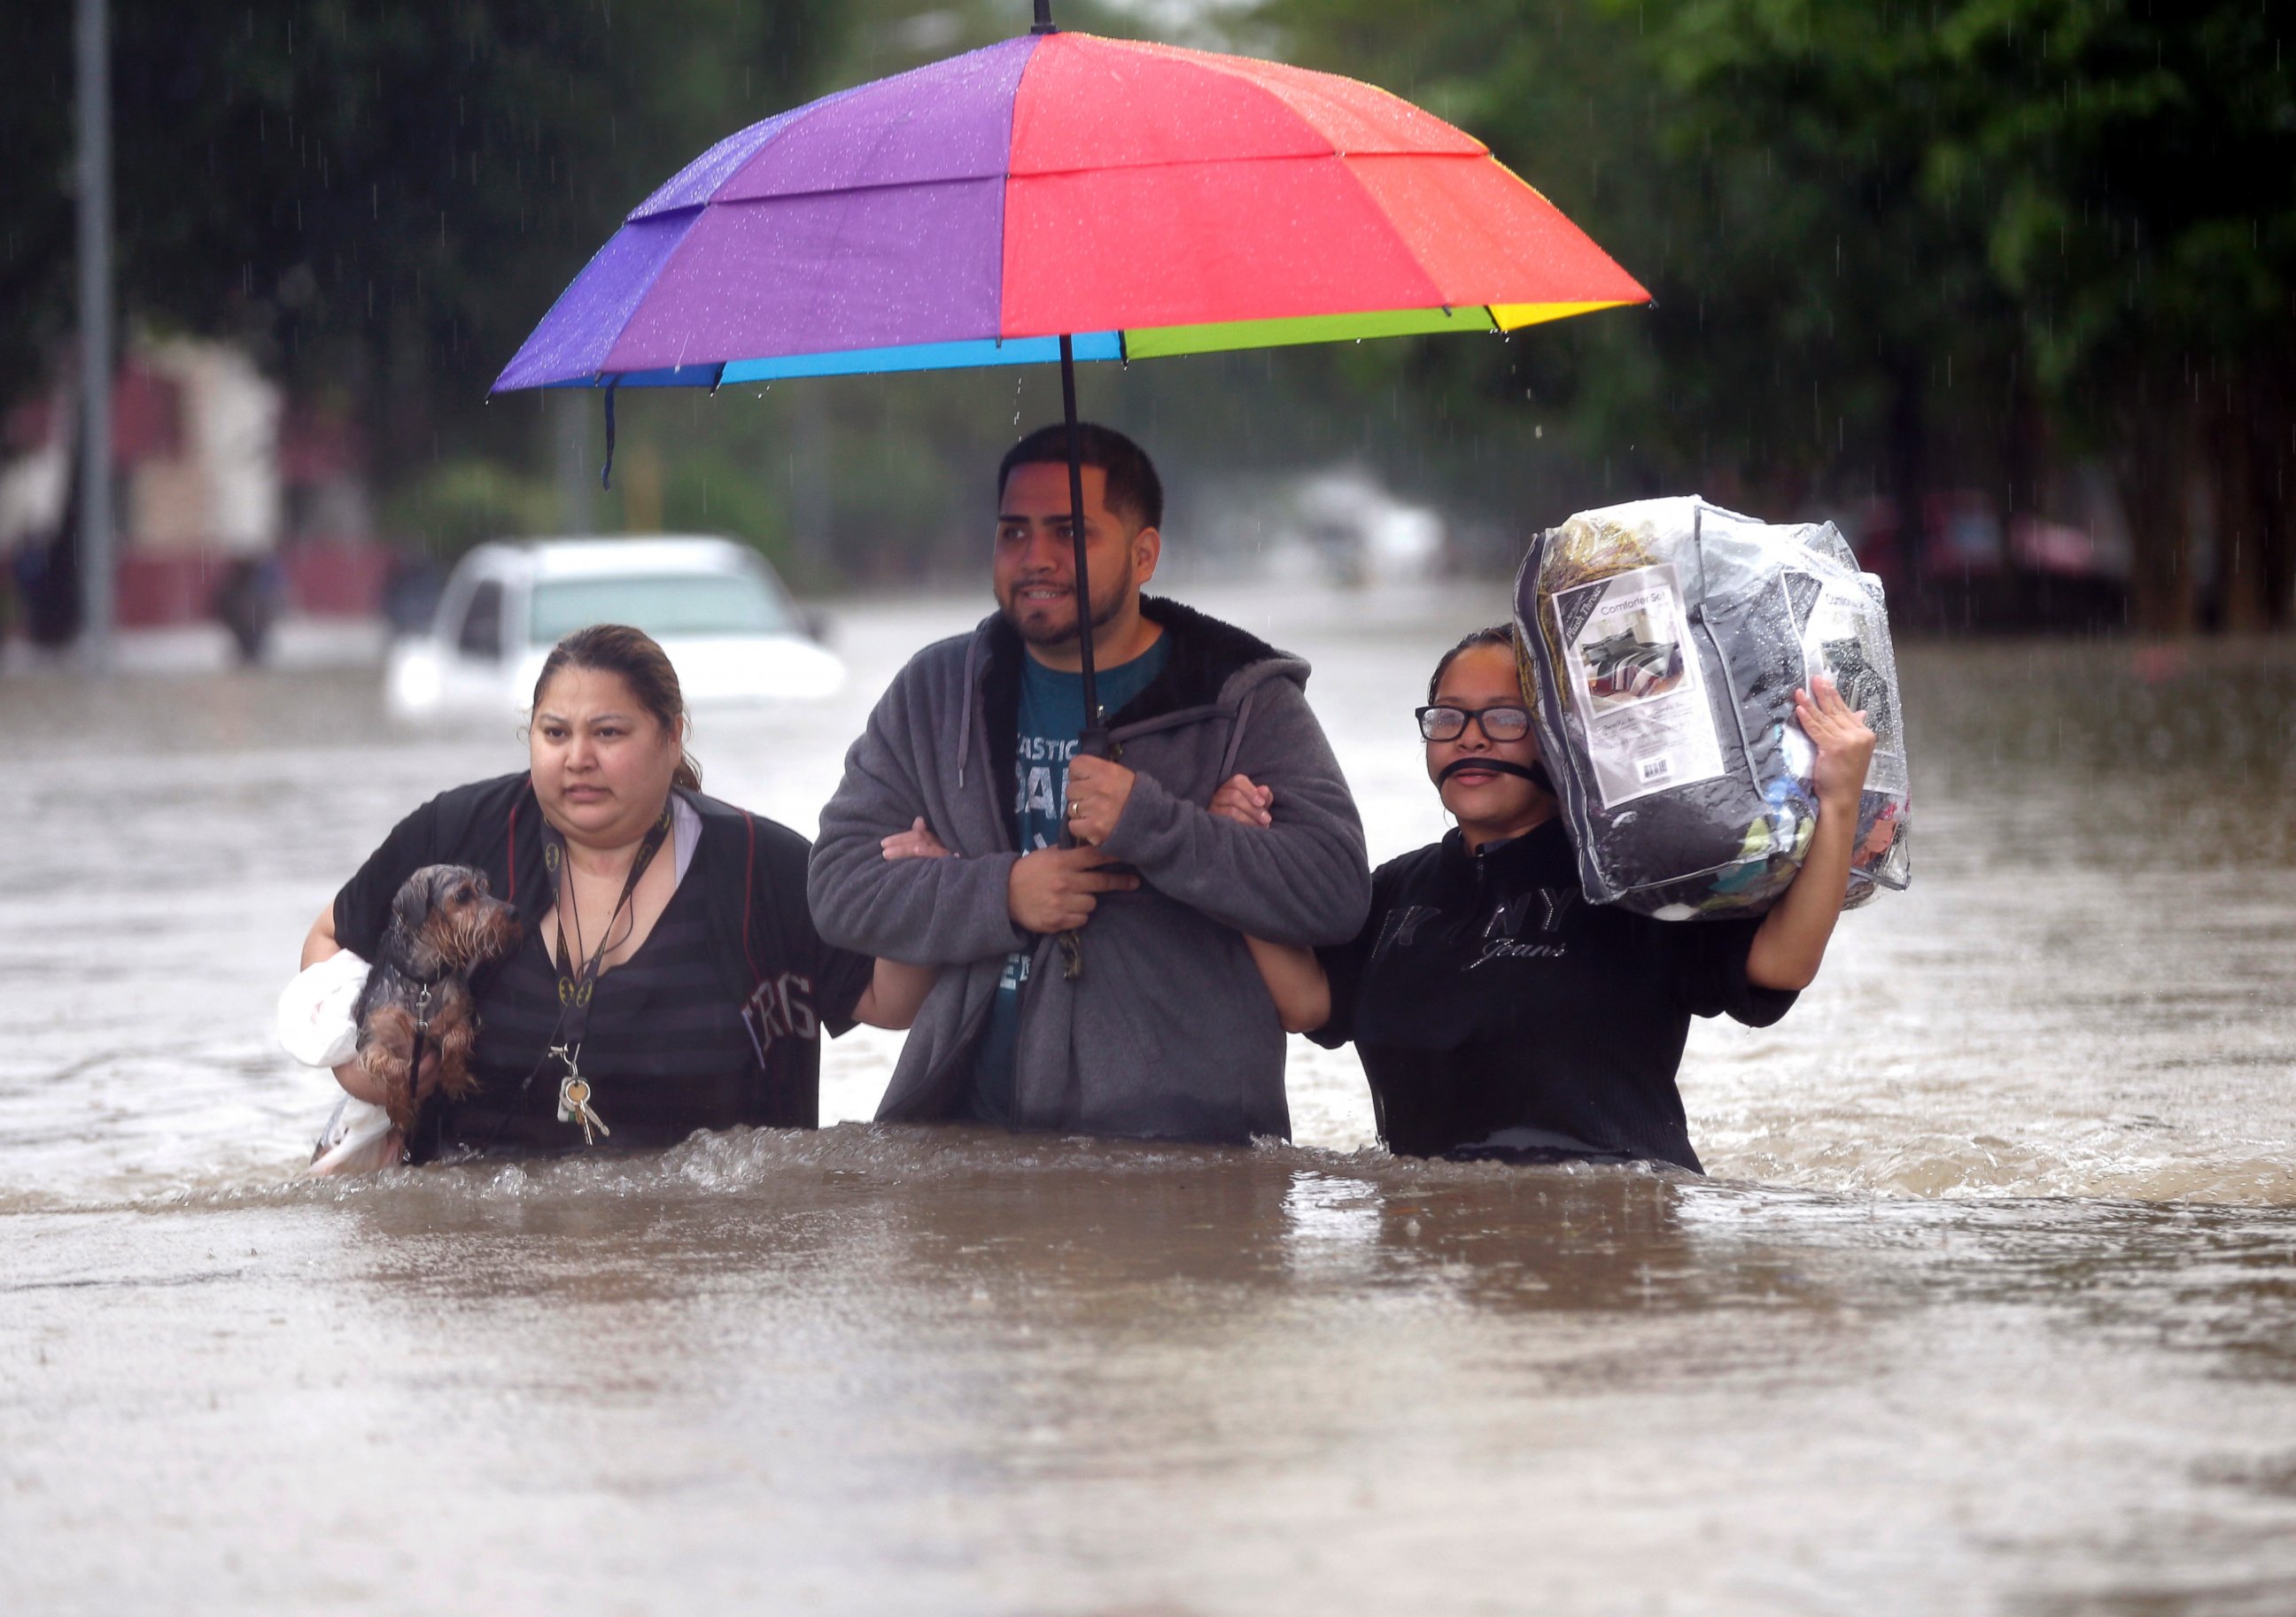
1500,1014
668,949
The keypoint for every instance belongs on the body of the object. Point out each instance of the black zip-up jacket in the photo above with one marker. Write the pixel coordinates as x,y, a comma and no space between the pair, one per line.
1498,1013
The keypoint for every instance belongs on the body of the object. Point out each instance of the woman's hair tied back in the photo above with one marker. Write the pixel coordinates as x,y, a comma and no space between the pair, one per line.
635,658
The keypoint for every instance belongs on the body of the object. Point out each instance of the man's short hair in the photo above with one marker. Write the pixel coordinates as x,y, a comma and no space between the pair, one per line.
1134,492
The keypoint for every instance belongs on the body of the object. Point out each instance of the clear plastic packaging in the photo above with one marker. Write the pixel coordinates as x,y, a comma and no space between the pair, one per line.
1662,642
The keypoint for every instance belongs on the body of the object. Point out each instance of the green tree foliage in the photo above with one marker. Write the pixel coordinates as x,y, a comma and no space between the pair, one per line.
2146,226
382,197
1898,248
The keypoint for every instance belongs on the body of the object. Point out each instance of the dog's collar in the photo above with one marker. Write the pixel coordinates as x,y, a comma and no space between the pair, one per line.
394,957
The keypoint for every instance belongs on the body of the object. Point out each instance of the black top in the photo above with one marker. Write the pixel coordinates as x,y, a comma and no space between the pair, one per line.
715,1021
1498,1013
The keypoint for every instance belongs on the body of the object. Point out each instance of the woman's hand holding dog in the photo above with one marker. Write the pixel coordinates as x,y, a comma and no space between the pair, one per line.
360,1085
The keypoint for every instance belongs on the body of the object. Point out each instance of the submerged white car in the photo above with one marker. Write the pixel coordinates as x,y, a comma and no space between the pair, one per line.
717,608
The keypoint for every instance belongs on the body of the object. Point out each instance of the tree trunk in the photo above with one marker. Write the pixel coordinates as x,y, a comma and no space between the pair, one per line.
2153,466
2271,442
1909,471
2025,469
2240,542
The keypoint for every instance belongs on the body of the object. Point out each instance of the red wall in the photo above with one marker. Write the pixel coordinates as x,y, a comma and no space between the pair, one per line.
323,578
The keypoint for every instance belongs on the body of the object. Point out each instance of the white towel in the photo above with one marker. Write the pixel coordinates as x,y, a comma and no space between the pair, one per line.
315,1011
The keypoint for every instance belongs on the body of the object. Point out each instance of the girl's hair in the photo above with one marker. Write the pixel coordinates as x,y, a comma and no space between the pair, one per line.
632,656
1497,634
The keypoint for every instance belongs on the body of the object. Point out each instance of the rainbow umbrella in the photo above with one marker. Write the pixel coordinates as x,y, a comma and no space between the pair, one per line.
1060,196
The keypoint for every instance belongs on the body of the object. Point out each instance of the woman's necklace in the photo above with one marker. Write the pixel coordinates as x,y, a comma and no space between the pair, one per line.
578,976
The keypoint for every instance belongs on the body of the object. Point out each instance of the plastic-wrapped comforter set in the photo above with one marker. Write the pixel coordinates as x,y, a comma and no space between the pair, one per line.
1663,641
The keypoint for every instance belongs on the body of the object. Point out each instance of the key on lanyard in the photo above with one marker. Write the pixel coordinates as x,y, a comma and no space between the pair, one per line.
574,1098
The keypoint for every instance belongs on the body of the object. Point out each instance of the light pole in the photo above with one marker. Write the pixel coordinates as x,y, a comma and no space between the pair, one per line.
96,535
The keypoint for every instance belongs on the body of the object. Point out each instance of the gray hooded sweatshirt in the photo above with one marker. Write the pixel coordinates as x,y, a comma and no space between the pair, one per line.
1169,1031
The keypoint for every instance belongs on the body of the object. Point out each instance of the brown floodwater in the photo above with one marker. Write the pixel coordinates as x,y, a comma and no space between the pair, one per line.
1988,1304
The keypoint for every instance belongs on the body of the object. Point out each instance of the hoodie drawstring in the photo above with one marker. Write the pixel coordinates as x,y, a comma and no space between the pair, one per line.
964,713
1235,736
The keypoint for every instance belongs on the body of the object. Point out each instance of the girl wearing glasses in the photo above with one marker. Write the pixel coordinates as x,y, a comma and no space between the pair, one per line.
1500,1014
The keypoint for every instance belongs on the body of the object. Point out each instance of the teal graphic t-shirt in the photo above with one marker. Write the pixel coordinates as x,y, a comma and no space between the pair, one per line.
1051,716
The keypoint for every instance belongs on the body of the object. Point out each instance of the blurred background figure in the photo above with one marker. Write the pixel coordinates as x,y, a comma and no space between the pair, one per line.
248,603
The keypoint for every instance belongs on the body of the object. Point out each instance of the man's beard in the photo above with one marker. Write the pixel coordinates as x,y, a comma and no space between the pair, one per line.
1112,595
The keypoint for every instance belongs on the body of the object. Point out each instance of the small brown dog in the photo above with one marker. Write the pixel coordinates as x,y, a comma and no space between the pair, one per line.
443,923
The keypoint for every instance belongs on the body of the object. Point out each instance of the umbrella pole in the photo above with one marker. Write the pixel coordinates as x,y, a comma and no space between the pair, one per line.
1094,743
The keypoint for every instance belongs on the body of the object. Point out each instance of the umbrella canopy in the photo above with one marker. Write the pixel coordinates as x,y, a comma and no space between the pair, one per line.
1138,199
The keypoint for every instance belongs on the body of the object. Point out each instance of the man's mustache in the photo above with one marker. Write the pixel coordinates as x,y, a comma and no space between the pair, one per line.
1532,773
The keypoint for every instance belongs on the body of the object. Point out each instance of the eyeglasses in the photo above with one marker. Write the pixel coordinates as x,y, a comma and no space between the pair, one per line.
1449,723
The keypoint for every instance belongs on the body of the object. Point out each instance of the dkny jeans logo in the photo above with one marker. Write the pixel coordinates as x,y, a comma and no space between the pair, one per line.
1401,928
1508,915
1503,930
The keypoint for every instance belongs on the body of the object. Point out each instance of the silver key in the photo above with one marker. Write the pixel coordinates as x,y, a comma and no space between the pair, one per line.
574,1107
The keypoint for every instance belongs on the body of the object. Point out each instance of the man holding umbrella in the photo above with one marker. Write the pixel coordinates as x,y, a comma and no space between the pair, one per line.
987,211
1090,923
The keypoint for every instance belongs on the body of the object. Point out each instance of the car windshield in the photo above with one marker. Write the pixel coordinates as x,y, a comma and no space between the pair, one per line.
666,605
